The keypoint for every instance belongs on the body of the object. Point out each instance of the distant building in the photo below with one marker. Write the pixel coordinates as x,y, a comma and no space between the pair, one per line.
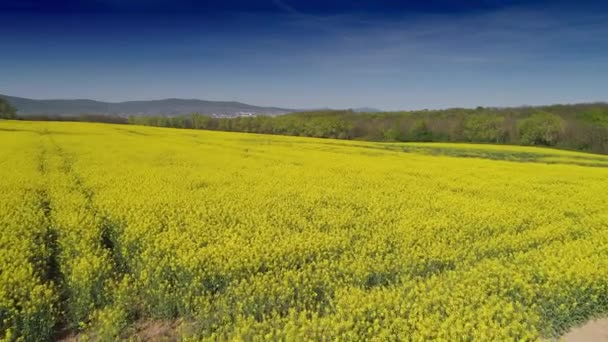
235,115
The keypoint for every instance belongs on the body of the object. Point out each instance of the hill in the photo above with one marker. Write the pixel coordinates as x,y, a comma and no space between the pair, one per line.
166,107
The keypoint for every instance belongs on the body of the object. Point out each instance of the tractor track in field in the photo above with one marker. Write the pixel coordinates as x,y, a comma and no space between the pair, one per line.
109,230
48,261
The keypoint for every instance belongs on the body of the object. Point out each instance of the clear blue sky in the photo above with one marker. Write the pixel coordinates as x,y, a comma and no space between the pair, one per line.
308,54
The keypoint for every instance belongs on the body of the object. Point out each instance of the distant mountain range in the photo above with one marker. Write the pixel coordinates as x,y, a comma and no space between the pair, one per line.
166,107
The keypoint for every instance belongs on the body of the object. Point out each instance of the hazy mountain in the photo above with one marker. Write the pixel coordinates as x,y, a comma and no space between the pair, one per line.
168,107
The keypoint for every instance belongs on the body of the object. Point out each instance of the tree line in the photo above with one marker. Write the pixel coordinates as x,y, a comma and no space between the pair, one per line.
7,111
581,127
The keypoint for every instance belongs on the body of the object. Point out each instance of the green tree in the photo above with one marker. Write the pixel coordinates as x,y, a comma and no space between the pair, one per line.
595,115
420,131
485,128
541,129
6,110
391,134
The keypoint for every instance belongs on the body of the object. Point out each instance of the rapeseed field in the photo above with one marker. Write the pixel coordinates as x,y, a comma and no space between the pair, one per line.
234,236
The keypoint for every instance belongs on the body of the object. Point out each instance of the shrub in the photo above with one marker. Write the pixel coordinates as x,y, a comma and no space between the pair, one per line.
541,129
485,128
420,131
391,134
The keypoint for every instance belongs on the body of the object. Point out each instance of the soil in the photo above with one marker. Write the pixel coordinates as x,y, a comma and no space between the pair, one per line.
157,331
143,331
592,331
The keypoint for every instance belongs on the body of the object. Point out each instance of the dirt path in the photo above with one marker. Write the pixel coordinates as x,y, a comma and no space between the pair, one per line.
593,331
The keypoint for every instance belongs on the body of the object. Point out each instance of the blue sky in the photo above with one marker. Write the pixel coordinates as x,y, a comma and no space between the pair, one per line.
308,54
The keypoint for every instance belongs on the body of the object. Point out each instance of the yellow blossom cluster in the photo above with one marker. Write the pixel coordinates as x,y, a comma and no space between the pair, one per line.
256,237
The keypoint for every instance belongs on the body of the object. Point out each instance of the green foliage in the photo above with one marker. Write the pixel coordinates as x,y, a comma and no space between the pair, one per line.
392,134
578,127
485,128
420,131
595,115
541,129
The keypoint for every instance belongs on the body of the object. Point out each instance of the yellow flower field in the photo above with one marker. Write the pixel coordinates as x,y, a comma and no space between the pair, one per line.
254,237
